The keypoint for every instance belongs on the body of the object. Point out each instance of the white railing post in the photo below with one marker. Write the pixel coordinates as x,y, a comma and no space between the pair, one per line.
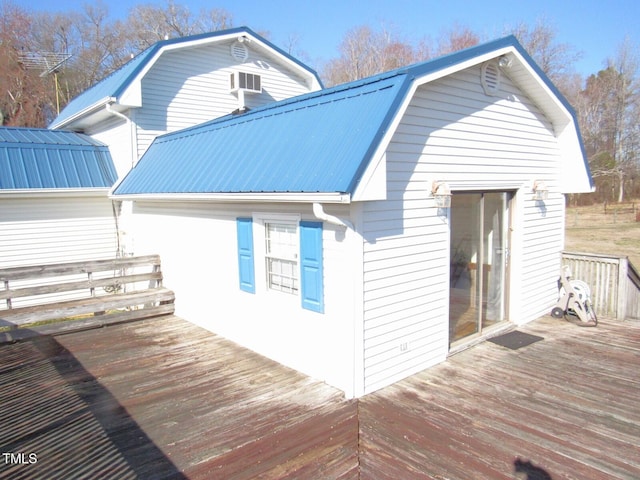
623,272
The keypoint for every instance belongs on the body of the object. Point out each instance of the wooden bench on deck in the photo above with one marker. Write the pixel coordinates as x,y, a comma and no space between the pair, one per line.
86,294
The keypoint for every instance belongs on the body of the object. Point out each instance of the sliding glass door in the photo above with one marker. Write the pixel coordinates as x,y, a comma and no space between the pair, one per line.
479,262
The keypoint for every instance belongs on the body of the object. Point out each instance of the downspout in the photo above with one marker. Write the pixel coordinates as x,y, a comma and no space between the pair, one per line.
118,210
318,211
128,121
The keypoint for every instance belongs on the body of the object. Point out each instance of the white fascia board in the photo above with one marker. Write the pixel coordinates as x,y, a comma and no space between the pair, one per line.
100,105
54,192
338,198
373,183
574,173
312,79
132,96
542,95
480,59
369,186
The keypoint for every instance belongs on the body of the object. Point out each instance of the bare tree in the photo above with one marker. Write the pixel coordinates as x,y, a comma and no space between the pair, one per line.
23,92
609,109
365,52
94,44
456,39
557,60
148,24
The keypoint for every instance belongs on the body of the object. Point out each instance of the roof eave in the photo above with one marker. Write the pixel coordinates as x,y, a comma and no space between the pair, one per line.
54,192
93,108
240,197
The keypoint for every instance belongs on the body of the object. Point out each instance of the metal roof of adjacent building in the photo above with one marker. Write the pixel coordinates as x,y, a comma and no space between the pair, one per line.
318,142
112,86
32,158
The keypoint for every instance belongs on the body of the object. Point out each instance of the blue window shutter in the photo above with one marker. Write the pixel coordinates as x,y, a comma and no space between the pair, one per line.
311,266
245,255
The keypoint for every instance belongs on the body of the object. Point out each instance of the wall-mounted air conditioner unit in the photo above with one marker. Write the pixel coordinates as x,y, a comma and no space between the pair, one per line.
246,82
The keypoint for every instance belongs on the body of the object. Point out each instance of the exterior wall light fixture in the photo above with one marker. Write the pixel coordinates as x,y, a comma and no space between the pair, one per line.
540,190
504,62
441,194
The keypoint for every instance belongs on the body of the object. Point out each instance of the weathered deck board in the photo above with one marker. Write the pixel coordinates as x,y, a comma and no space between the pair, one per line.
568,404
164,399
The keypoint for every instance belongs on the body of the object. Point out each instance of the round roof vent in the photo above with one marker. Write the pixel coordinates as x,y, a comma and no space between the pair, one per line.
239,51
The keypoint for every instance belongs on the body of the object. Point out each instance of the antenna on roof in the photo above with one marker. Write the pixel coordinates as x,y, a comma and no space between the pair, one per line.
47,63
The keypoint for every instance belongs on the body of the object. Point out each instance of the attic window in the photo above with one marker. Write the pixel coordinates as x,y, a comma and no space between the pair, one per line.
490,78
239,51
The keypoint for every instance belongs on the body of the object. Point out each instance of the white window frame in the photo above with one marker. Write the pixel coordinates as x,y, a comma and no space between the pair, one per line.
262,257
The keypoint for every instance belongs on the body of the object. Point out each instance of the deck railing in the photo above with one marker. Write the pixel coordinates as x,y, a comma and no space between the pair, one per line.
614,283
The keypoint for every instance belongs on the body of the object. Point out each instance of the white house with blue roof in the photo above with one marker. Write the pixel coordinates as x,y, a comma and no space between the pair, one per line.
54,203
365,232
54,183
180,82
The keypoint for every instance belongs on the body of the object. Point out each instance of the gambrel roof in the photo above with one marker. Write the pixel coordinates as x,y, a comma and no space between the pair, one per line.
325,145
39,159
123,87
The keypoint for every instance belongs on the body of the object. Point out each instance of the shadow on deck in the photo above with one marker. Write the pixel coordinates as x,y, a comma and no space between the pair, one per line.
166,399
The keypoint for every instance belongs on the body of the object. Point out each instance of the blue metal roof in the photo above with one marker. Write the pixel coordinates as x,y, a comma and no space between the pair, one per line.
114,85
318,142
32,158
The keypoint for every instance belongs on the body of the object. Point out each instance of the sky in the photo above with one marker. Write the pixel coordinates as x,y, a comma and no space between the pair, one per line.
594,28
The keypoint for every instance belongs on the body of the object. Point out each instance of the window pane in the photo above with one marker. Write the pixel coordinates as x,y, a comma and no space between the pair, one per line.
282,257
282,275
281,240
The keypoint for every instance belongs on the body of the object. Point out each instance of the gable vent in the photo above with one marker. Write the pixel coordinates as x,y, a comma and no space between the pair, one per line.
490,78
239,51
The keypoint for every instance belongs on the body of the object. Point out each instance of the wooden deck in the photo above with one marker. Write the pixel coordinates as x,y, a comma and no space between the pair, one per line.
566,407
163,399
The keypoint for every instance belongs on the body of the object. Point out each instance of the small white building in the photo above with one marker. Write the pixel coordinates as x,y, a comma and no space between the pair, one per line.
319,230
54,198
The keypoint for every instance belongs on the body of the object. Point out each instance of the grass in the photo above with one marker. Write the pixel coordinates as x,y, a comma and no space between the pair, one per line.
614,231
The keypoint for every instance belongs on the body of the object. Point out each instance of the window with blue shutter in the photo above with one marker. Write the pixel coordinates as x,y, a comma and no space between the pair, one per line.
245,255
312,291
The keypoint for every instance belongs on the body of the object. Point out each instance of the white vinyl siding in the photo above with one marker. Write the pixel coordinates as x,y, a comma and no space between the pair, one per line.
39,230
191,86
198,246
118,135
452,132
